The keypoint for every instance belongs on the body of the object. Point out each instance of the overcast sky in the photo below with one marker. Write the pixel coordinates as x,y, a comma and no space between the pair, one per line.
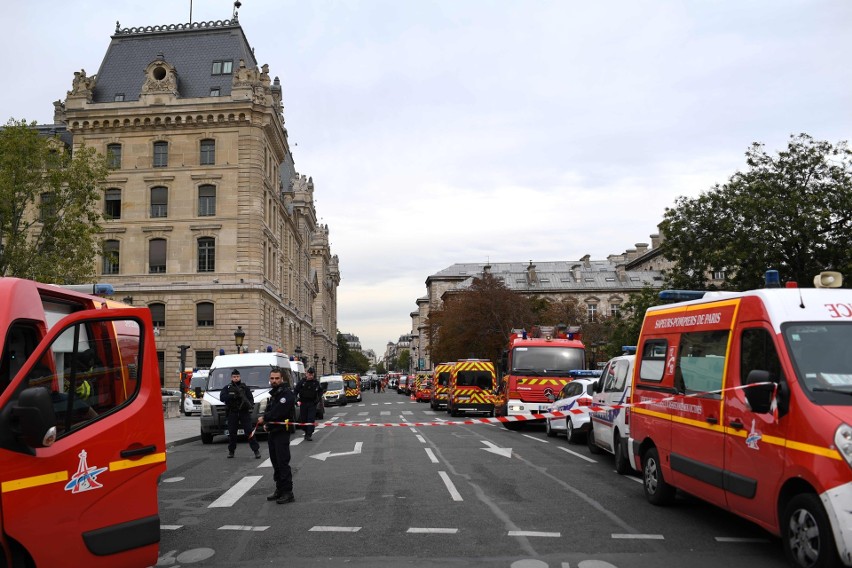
445,131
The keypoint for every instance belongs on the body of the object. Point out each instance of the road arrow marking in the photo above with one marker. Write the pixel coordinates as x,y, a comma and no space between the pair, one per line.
325,455
495,449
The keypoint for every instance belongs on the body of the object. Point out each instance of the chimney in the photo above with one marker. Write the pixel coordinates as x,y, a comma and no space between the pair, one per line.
656,241
586,261
641,248
575,272
621,273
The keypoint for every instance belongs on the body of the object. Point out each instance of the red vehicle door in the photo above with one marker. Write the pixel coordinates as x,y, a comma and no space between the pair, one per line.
90,497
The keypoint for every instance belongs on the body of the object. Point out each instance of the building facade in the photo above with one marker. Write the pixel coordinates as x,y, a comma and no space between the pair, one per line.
207,221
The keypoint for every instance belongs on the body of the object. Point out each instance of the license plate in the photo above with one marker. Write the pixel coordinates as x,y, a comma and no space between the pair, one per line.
463,398
240,432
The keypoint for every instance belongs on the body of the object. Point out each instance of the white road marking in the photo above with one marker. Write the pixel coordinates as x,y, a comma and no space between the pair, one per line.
233,494
495,449
535,533
631,478
581,456
450,487
363,414
268,461
406,412
431,455
170,527
173,479
534,438
334,529
385,413
422,530
420,439
242,528
297,441
735,539
639,536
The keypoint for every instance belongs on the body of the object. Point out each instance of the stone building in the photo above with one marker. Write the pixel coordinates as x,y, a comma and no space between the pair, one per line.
602,286
208,222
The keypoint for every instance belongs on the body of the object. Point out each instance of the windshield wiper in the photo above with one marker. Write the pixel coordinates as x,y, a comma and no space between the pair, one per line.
836,391
530,372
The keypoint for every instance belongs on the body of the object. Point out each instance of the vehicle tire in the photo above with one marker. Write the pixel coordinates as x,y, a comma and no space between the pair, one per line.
806,533
548,429
657,491
622,465
514,426
206,438
569,431
590,442
187,413
453,411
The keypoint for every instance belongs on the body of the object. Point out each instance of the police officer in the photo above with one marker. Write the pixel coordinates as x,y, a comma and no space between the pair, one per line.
310,391
239,403
279,409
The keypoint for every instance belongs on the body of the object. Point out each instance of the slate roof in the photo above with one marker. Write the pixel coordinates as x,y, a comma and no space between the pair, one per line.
190,48
553,276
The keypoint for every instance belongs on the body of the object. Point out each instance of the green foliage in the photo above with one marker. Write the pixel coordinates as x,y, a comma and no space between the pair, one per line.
403,362
626,327
380,369
791,212
49,214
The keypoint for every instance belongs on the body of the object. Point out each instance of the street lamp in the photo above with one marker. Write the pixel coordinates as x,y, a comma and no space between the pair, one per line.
323,365
316,362
298,352
239,335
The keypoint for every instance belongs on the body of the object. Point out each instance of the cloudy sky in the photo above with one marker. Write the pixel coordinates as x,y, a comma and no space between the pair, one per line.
445,131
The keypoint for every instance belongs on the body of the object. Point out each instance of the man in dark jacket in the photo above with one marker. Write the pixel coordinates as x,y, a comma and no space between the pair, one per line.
278,411
309,391
239,403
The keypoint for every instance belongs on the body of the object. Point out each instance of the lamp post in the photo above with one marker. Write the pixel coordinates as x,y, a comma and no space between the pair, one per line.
323,365
298,352
239,335
316,362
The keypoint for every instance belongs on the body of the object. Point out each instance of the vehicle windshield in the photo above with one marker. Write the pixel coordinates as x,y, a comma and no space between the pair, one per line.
334,385
481,379
444,378
823,360
547,360
255,377
351,383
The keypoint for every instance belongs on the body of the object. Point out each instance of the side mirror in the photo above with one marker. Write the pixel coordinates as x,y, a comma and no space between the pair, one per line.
597,386
33,420
759,397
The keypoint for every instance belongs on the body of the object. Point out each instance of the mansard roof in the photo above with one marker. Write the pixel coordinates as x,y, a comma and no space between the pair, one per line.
190,48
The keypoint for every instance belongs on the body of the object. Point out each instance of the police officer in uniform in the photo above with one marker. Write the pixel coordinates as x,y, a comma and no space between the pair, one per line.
279,409
310,392
239,403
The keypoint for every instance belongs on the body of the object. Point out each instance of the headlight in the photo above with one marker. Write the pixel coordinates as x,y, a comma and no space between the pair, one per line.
517,408
843,442
206,408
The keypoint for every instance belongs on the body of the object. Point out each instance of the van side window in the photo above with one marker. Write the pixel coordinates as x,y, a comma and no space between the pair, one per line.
758,353
20,343
620,375
701,360
90,370
653,360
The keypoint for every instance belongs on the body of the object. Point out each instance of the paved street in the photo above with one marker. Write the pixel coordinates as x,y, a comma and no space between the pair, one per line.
461,495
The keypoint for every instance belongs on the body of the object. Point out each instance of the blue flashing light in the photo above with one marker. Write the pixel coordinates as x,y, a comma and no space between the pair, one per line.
221,351
772,279
569,335
629,349
103,290
524,336
292,358
269,349
681,295
584,373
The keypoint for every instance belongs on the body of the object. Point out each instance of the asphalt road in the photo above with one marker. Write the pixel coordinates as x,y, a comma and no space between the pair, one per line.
459,495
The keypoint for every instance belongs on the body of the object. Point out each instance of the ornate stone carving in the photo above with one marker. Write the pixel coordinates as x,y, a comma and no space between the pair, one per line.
160,77
82,86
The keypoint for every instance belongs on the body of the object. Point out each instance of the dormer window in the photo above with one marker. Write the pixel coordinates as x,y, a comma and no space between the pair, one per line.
119,97
214,91
222,67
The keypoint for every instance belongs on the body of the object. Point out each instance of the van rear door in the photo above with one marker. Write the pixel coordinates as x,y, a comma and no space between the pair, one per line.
90,498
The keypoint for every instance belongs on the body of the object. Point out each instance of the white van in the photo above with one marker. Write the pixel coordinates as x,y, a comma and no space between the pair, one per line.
298,369
610,428
334,390
254,372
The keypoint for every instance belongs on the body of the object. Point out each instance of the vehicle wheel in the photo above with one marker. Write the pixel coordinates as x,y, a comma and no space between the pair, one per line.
806,533
569,431
590,442
187,413
548,429
206,438
514,426
622,465
453,411
657,491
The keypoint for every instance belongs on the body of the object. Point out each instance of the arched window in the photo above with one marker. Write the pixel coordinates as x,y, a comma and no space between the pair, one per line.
111,256
157,256
204,314
206,254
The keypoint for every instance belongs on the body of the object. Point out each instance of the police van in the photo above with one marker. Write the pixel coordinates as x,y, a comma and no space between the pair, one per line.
254,372
611,425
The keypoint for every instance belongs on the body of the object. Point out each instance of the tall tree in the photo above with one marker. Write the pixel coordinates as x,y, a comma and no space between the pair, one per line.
342,352
476,322
791,212
49,218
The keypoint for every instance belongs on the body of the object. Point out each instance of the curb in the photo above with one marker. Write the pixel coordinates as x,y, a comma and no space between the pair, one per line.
182,441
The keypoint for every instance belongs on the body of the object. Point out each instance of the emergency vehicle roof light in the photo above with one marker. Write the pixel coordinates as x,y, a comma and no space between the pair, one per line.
629,349
577,373
772,279
101,289
680,295
269,349
221,351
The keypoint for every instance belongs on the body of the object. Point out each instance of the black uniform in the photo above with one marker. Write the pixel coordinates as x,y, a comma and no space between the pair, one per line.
280,407
238,402
309,391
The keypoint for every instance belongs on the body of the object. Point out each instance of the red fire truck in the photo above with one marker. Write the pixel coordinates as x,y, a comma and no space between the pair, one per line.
535,365
82,439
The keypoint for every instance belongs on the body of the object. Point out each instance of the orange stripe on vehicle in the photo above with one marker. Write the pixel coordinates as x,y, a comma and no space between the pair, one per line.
35,481
128,464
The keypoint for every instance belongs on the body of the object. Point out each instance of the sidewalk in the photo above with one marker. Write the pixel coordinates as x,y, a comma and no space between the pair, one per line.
182,430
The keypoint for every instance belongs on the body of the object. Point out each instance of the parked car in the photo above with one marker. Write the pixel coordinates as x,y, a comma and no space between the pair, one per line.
576,394
610,428
197,386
